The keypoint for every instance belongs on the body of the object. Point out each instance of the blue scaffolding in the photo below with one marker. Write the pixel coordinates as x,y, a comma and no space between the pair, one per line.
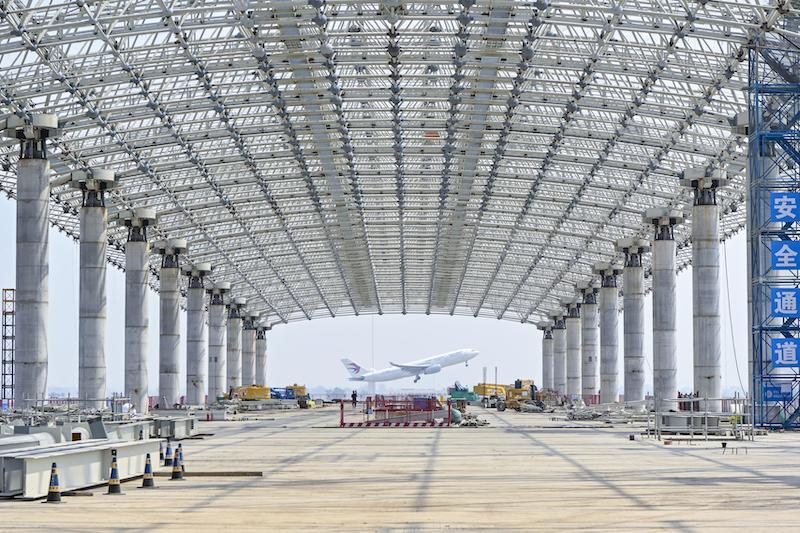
774,231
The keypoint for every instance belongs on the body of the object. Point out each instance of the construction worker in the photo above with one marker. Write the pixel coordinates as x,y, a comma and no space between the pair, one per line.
354,396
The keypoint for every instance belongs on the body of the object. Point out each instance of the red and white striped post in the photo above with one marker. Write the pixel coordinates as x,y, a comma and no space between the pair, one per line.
341,414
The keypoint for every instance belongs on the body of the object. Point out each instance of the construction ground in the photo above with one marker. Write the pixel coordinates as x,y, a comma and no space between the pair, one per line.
296,470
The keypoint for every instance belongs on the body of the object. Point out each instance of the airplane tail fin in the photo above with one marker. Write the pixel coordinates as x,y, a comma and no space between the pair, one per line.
354,369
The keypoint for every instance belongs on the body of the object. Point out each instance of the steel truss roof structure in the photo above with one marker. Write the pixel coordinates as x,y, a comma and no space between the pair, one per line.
340,157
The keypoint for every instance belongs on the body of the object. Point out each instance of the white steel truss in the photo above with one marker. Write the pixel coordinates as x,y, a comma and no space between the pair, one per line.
340,157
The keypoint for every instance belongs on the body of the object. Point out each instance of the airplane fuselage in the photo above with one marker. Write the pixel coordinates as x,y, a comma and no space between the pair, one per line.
432,364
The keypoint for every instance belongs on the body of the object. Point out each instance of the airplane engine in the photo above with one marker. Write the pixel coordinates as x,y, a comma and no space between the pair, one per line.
433,369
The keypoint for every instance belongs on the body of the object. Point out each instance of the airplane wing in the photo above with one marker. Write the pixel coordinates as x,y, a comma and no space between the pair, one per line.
410,368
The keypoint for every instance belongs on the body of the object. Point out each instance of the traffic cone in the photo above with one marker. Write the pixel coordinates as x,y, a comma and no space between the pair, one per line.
53,491
160,452
114,486
168,455
147,478
177,473
180,457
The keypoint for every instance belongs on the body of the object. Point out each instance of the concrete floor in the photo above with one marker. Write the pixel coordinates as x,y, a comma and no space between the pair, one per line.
523,472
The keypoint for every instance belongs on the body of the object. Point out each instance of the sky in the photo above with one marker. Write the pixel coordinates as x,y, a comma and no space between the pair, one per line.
309,352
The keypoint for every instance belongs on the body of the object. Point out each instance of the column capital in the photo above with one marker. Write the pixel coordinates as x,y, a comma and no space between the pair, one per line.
31,130
663,219
261,330
196,273
608,274
558,320
572,307
588,291
217,292
633,248
93,183
236,307
137,221
170,250
544,325
250,320
704,183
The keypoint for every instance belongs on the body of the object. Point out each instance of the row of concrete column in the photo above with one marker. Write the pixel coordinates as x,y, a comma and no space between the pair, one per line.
206,321
220,333
570,338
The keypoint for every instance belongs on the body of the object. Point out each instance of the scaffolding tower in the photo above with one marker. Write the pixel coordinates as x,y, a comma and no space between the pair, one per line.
774,231
8,345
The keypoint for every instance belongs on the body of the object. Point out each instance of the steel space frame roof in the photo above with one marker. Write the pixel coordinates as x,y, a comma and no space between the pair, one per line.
341,157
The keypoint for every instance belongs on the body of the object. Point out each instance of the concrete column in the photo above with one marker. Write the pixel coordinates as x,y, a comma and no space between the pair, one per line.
589,344
32,262
633,317
92,312
547,354
707,348
559,354
609,337
216,340
137,320
261,355
249,348
169,322
572,321
665,364
196,334
234,366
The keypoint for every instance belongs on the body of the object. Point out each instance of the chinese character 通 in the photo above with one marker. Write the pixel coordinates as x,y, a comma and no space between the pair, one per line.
785,302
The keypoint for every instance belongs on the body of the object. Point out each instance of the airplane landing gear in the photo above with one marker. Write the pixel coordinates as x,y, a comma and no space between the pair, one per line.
416,378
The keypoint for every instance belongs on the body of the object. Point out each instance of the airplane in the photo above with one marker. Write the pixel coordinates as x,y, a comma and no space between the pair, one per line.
429,365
